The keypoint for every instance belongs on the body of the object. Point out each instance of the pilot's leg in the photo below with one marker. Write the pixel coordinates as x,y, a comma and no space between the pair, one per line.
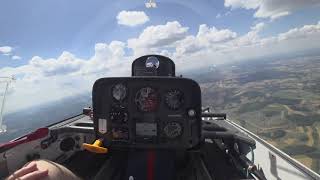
43,169
55,171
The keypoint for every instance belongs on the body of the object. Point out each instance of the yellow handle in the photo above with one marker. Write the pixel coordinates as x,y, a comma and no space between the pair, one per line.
95,147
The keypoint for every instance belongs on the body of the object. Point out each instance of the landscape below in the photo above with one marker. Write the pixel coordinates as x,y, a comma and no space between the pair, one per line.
277,99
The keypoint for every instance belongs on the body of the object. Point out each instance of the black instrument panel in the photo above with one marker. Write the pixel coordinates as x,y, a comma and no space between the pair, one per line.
147,112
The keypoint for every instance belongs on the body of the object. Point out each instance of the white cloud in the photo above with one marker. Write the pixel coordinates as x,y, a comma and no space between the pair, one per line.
191,53
303,32
227,13
132,18
252,37
218,16
205,38
154,37
15,57
106,57
54,78
66,63
6,50
247,4
258,27
271,8
213,35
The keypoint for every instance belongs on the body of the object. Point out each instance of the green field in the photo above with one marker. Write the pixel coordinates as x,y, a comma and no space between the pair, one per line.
279,100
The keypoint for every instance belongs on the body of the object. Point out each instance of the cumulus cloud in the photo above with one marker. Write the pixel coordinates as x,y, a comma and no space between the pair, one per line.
271,8
67,75
205,38
6,50
154,37
15,57
213,35
247,4
132,18
258,27
106,57
66,63
191,52
252,37
50,79
304,32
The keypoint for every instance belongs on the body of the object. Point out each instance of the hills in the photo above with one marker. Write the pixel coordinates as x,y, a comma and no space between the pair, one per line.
27,120
277,99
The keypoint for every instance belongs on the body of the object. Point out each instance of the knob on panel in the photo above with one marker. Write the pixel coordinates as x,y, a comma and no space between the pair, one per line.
67,144
119,115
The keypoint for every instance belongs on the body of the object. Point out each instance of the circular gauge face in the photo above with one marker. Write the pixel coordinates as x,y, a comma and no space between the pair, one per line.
174,99
147,99
119,92
172,130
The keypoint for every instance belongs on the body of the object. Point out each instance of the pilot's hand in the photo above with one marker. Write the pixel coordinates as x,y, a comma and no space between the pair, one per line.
29,172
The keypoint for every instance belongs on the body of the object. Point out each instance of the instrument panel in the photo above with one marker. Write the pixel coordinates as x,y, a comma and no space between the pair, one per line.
147,112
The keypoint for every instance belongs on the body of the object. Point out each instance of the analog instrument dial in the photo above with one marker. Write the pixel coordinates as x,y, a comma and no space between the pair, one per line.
147,99
172,130
174,99
119,92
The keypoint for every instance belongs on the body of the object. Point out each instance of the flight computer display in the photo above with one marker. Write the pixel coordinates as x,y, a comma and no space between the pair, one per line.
148,112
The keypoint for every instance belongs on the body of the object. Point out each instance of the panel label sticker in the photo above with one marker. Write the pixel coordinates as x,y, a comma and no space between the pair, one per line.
102,126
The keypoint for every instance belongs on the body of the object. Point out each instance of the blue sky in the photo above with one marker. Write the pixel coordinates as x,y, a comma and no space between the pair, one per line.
60,47
47,28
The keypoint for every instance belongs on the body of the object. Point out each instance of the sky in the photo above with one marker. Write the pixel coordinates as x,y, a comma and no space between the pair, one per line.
58,48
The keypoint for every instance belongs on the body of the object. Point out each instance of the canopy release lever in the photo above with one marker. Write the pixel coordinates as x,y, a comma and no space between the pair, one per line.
96,147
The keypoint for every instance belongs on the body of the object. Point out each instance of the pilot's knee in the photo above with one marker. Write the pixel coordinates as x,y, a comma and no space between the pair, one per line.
55,171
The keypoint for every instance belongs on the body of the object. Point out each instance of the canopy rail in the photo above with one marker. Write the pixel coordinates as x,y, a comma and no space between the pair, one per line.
6,81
